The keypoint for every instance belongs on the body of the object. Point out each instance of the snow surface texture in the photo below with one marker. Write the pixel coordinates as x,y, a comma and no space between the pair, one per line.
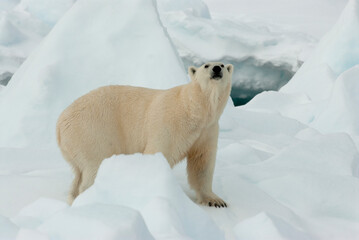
282,178
23,24
264,56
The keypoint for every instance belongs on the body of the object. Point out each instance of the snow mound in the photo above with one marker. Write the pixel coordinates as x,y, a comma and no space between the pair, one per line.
96,221
311,17
30,234
338,50
323,95
133,197
322,92
259,171
318,80
23,24
37,212
28,167
343,103
132,49
49,11
272,228
196,8
8,230
9,33
145,183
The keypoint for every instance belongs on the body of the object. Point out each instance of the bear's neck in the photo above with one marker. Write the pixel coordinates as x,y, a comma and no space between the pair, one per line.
207,104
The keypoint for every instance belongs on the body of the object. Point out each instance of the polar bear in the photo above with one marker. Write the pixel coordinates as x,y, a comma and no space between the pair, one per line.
181,122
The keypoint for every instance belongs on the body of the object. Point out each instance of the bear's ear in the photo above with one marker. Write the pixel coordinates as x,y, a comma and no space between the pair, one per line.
192,71
229,68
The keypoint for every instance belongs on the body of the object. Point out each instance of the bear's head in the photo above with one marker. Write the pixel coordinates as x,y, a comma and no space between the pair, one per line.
212,75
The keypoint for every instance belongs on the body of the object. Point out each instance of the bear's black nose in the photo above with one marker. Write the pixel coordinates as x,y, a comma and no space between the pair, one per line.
216,69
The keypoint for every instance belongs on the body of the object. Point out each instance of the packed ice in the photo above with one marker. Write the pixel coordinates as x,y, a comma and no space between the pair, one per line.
265,56
23,24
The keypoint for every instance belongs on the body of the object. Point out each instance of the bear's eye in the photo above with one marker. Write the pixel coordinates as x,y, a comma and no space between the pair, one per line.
222,66
206,66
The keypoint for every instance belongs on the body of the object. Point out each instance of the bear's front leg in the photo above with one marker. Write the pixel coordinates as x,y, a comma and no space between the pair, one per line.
200,167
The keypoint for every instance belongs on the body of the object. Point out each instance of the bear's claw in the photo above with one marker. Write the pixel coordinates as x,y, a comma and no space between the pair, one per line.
213,201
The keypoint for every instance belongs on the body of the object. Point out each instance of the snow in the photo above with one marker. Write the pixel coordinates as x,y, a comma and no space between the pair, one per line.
23,24
35,213
311,17
265,44
27,169
272,228
265,53
257,167
49,11
255,173
322,95
196,8
264,56
343,103
96,221
165,208
29,234
9,33
68,65
336,52
8,230
287,162
323,91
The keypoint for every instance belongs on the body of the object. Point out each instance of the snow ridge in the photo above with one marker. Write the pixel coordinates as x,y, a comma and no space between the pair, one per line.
68,65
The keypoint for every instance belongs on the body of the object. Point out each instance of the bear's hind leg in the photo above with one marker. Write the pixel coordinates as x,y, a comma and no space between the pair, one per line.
75,185
88,178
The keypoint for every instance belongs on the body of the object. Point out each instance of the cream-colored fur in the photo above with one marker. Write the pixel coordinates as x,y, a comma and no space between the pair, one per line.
181,122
